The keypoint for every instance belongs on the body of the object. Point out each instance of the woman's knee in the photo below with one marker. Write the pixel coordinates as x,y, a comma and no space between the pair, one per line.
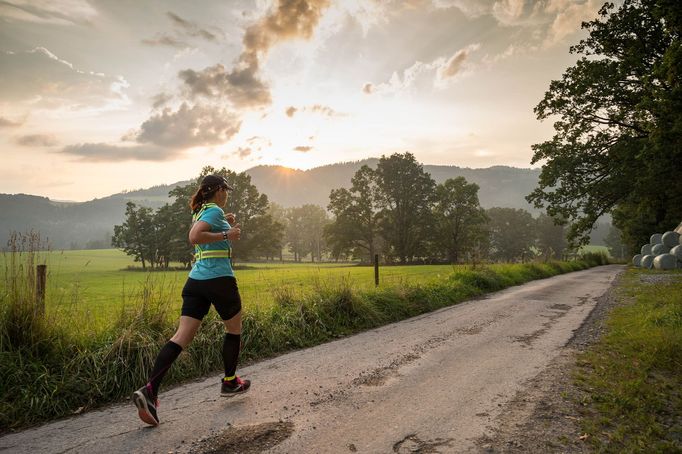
183,339
186,331
234,325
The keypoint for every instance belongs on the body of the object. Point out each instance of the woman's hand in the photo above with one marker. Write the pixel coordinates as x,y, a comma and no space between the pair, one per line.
234,233
229,217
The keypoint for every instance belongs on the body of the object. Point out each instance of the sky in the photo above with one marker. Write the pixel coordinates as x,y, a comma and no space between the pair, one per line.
99,96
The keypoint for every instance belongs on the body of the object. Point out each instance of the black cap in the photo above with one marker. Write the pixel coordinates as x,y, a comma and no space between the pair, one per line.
211,181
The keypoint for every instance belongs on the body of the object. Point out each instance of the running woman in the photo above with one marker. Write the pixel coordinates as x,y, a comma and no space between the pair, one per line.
211,281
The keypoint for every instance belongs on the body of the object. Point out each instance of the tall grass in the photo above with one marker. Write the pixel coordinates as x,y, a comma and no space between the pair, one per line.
48,369
632,378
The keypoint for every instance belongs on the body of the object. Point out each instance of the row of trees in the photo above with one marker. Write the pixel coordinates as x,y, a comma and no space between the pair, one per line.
396,210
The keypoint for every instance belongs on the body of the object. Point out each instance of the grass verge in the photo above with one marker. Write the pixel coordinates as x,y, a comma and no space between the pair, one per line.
48,369
632,378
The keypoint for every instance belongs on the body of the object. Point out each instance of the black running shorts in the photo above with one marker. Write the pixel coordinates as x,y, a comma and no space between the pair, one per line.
222,292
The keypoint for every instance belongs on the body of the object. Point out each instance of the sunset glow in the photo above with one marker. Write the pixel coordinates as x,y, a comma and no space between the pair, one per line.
101,96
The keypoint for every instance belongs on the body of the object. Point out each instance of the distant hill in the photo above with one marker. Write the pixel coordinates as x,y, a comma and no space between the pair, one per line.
499,186
91,224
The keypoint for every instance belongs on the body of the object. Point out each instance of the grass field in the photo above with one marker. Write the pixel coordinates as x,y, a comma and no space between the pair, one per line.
102,286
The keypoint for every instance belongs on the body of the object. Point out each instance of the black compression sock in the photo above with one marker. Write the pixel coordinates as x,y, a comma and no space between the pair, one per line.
231,345
164,361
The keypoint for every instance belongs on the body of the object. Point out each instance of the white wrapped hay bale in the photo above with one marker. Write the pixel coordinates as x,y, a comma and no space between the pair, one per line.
656,238
658,249
646,249
647,261
677,252
637,260
665,262
671,239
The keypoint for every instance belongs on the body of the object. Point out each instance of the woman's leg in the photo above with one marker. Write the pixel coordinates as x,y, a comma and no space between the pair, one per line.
232,345
186,331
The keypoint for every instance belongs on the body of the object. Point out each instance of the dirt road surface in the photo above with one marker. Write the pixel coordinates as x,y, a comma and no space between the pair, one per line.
431,384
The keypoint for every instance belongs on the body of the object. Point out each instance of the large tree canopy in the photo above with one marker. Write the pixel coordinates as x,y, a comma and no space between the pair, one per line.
618,141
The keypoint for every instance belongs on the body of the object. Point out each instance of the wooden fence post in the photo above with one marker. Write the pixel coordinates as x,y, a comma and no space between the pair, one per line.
376,270
41,281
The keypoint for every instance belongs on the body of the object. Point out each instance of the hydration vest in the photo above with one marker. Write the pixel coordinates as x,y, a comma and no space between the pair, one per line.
201,254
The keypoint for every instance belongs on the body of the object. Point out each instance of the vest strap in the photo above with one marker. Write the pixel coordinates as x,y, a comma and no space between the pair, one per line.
221,254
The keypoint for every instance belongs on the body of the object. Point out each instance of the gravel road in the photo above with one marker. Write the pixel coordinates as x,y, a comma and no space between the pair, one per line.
434,383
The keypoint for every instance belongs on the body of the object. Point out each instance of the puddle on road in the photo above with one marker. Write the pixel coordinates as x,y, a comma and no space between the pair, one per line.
412,443
245,439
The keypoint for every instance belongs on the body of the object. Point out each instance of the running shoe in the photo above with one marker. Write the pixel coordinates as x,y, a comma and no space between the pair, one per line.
234,387
146,405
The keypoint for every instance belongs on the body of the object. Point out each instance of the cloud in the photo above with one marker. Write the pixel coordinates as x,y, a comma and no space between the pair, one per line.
568,18
183,28
165,135
191,28
243,152
161,100
290,19
323,110
188,127
506,12
454,64
5,123
258,143
37,140
102,152
510,12
439,72
59,12
457,62
303,149
43,78
165,40
553,20
240,86
315,108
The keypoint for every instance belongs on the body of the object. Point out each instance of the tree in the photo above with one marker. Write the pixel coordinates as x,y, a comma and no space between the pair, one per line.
551,236
279,215
511,233
618,141
405,195
355,227
314,220
614,243
294,235
266,238
136,236
180,249
459,217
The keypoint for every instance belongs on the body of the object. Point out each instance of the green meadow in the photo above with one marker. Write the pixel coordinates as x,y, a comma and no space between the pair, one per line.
103,324
94,286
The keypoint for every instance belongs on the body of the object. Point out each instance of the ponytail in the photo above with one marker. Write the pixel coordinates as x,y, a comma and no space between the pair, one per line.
200,197
209,185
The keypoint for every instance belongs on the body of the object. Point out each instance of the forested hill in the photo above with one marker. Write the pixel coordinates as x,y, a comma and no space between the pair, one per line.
499,186
90,224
